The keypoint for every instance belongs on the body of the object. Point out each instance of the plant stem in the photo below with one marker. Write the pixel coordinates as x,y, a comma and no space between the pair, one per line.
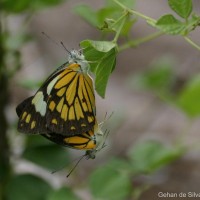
142,16
134,12
192,43
123,19
137,42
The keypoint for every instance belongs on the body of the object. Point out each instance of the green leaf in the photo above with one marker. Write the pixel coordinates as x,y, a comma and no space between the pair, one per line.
122,165
93,57
107,183
182,7
97,18
41,4
102,17
108,25
17,7
112,24
87,14
103,55
49,156
127,3
158,77
188,100
106,15
23,187
149,156
103,71
192,23
102,46
62,194
170,25
92,54
26,5
127,26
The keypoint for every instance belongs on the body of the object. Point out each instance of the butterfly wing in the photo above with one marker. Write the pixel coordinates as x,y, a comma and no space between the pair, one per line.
65,104
71,105
30,121
85,141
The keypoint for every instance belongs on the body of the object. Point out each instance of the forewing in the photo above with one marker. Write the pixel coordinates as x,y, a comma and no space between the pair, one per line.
65,104
71,103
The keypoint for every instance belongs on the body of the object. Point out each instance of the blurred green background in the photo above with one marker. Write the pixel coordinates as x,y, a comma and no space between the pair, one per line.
154,92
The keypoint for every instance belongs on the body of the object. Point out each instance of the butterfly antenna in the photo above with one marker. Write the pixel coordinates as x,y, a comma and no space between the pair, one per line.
75,165
53,41
65,48
112,113
106,133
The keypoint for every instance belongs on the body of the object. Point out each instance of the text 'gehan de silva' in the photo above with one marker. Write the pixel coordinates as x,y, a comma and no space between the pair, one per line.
178,194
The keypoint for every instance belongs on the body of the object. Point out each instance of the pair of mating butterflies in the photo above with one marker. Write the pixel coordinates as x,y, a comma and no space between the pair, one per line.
63,109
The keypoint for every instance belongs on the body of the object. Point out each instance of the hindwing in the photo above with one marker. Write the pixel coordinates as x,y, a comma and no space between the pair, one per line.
30,120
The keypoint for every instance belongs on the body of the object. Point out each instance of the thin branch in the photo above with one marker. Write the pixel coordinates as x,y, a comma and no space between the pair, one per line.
139,41
134,12
192,43
123,18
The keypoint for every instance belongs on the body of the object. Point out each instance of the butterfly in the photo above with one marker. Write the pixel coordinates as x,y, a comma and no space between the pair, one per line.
92,141
65,103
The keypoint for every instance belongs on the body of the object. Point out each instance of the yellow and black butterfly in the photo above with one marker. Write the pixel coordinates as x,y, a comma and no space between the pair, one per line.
65,103
92,141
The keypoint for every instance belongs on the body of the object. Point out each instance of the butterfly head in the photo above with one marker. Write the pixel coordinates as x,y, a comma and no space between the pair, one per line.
100,138
76,56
